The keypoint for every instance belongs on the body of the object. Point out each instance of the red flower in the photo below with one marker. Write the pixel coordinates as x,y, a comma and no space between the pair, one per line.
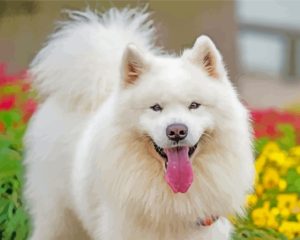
7,102
265,122
271,130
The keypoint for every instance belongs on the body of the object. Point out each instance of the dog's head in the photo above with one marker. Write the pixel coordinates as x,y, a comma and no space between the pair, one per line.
176,103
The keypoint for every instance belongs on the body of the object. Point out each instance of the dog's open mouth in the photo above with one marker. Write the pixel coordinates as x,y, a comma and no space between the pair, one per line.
179,173
162,153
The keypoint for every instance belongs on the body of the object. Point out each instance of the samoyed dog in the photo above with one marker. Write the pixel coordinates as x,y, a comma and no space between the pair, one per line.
130,143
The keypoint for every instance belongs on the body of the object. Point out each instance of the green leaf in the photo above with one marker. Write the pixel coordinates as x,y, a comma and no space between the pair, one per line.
288,138
9,162
9,89
260,143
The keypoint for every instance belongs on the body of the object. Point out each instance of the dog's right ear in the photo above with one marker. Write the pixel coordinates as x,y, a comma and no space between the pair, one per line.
134,64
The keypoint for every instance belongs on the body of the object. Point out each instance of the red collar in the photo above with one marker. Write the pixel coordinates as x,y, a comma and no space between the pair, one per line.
205,222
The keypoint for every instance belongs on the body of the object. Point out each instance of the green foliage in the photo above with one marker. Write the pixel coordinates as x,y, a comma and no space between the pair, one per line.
253,233
288,138
14,222
16,106
246,230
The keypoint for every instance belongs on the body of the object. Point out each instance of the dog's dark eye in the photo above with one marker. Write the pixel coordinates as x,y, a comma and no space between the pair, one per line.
194,105
156,108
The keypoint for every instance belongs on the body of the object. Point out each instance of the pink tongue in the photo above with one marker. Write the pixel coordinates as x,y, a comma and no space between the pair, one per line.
179,173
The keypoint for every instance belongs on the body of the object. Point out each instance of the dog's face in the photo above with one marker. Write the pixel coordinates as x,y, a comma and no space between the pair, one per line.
175,103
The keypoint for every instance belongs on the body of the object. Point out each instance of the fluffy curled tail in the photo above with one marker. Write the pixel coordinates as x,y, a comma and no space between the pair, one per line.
80,63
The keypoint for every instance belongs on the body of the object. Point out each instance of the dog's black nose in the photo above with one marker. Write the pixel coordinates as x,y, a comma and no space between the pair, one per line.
177,131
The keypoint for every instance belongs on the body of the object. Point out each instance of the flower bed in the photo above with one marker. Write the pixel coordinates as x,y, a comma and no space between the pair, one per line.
16,107
273,208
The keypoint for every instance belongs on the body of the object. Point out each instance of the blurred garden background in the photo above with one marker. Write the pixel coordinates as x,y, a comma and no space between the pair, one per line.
260,41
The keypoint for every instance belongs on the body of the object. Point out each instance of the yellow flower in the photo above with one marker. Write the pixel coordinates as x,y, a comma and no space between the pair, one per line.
295,151
270,178
260,163
289,162
259,189
282,185
288,201
251,200
290,229
271,169
275,211
285,213
271,222
277,157
270,147
260,217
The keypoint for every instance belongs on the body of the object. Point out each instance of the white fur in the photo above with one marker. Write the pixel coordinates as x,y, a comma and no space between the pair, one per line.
91,171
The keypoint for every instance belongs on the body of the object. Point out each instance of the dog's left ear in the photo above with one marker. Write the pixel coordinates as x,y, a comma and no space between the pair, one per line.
205,54
134,65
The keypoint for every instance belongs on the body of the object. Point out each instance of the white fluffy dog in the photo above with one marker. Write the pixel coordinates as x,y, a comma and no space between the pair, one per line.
129,143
